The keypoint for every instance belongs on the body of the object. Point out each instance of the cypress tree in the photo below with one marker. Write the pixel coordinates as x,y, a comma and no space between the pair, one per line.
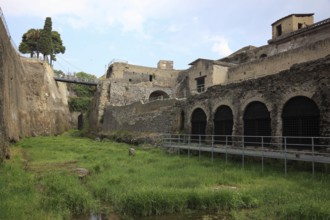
46,46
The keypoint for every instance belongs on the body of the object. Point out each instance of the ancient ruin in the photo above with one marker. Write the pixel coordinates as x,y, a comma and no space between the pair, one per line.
280,89
31,102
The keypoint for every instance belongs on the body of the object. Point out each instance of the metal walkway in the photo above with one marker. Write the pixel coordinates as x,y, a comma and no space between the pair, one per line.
309,149
77,80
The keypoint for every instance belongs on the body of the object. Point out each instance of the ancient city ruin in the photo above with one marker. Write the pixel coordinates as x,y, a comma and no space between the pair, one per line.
280,89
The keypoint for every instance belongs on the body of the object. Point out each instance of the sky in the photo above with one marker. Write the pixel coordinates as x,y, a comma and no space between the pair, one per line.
142,32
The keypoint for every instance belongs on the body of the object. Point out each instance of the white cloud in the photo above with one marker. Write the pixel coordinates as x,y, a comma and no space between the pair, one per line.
132,21
220,45
131,15
173,28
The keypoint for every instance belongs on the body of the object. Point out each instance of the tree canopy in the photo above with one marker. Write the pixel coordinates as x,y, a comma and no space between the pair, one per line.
45,41
46,44
83,94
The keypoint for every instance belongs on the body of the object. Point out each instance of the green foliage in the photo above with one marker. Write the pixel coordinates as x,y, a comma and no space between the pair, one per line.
30,42
83,93
19,196
63,193
43,41
79,104
57,45
83,90
152,182
46,44
58,72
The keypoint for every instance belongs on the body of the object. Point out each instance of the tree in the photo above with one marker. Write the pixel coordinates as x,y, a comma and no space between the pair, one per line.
83,94
30,42
83,90
57,46
46,46
45,41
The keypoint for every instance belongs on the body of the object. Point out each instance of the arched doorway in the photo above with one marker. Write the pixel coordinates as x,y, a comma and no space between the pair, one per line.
223,125
158,95
80,121
300,118
198,125
256,124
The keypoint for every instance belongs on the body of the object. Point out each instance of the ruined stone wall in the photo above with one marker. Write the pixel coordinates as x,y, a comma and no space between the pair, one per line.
131,83
31,102
279,62
127,93
124,72
156,116
310,79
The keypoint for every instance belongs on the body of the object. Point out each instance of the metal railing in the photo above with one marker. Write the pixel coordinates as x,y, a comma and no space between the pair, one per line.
77,80
308,149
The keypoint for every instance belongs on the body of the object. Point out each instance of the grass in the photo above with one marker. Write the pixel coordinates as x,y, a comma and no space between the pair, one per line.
40,183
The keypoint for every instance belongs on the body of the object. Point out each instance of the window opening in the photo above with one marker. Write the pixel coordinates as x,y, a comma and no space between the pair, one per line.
279,30
200,84
300,25
150,78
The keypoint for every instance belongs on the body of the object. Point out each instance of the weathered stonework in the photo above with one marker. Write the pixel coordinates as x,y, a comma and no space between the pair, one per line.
311,79
31,102
293,65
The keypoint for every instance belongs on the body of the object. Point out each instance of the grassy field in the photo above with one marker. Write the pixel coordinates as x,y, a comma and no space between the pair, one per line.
39,182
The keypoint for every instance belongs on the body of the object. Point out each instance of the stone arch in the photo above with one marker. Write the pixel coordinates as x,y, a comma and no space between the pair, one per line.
280,106
257,124
158,94
223,124
198,124
300,118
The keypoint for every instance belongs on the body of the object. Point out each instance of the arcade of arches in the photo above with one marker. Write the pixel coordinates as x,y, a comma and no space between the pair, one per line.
300,118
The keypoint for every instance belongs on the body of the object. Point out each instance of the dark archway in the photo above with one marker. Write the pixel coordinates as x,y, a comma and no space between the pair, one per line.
223,125
158,95
198,125
80,121
256,123
300,118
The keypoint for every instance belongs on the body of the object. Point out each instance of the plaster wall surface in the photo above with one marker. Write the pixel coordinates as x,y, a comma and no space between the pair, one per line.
290,23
